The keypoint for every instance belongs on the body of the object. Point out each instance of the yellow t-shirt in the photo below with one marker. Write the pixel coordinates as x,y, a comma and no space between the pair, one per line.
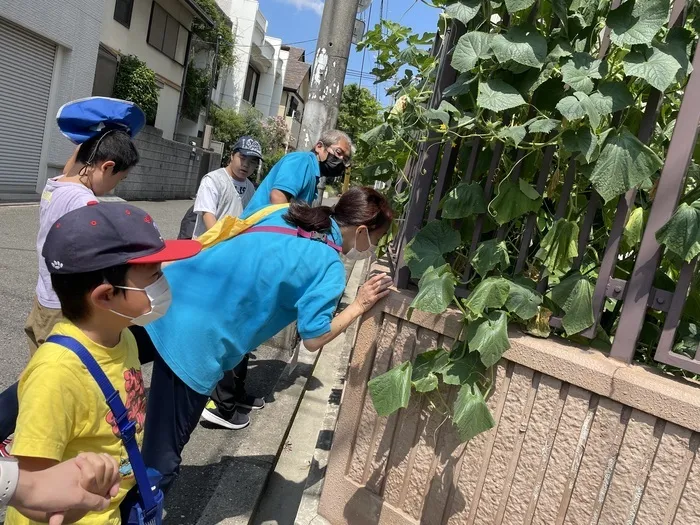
62,411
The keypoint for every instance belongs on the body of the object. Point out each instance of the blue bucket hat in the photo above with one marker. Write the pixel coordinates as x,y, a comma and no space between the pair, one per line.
82,119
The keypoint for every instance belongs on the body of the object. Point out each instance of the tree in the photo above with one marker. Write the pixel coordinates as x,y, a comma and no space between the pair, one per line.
359,111
137,83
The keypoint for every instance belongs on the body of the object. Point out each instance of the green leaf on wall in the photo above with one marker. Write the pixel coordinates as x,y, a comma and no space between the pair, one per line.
574,295
637,22
463,10
391,390
489,293
681,234
489,337
496,95
521,44
489,255
559,248
436,290
430,245
471,414
513,200
465,200
471,48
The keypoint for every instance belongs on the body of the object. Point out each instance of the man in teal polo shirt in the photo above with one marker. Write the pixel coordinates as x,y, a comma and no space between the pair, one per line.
294,177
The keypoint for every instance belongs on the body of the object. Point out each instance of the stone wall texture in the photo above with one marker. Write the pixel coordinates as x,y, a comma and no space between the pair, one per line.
579,439
166,169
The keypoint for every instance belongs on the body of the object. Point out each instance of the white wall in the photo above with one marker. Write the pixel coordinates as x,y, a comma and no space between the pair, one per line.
133,41
75,28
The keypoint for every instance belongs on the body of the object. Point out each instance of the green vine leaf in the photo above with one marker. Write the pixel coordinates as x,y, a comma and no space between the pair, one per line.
466,370
514,6
425,368
637,22
521,44
429,245
489,337
489,293
577,106
376,135
559,248
543,125
471,48
514,200
462,86
581,141
514,134
463,10
391,390
496,95
435,290
471,414
490,254
624,163
661,65
465,200
580,71
681,234
523,301
612,97
574,295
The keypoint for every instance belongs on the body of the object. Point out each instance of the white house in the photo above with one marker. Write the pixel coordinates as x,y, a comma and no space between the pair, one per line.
53,52
295,92
156,31
257,78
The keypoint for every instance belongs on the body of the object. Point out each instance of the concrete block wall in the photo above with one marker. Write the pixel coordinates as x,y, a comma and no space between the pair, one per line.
579,438
166,169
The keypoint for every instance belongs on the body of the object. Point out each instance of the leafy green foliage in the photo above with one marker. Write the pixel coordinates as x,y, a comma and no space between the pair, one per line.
221,30
392,390
623,164
463,201
536,104
429,247
196,89
471,414
489,255
681,234
137,83
436,290
559,248
514,200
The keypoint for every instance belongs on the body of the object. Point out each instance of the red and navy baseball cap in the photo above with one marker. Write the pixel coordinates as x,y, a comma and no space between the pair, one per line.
102,235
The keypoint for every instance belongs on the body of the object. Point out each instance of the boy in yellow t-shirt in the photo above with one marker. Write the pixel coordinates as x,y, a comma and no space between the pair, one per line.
105,263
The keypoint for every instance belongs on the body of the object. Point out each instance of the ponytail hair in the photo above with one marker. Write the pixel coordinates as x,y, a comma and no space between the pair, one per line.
360,206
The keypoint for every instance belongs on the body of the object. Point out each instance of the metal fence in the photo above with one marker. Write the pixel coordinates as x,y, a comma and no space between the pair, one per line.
432,173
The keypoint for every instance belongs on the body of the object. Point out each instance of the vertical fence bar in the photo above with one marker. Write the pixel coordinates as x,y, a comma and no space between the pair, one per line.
447,167
473,157
428,154
670,187
673,316
612,249
531,222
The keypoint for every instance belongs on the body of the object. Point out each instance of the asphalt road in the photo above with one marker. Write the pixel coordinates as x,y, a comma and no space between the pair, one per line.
18,274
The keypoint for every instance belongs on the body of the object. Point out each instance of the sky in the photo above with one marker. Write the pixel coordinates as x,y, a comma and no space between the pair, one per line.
297,22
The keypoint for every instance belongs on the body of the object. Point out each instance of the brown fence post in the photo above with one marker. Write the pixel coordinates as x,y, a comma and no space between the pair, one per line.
668,194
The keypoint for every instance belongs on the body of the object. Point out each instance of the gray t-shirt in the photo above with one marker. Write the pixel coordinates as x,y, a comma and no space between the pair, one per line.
57,199
220,194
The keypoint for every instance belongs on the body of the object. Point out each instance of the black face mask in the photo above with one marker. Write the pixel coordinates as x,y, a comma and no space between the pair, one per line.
332,167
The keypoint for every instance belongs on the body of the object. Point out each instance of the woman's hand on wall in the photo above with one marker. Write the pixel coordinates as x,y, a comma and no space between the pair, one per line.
373,290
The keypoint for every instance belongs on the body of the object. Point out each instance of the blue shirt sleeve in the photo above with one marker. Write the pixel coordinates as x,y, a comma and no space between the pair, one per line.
296,175
317,305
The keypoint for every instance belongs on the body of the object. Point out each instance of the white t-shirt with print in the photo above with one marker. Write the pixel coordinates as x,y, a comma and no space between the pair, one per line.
219,194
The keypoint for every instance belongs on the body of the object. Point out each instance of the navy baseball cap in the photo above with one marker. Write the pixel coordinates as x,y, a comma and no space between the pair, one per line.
249,147
82,119
102,235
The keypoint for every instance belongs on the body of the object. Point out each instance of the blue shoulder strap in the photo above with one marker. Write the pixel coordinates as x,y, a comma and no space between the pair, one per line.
126,428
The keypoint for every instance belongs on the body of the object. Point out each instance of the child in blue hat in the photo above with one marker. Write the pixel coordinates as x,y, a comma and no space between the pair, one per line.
103,128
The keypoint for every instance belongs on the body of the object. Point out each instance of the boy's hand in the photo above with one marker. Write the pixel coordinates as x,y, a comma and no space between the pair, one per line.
85,483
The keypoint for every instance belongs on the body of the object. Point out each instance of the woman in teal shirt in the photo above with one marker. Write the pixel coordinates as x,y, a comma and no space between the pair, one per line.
232,297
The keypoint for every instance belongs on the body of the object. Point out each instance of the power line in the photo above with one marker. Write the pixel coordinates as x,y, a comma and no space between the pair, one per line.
364,51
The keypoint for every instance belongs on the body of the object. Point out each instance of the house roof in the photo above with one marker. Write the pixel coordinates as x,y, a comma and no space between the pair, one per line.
297,69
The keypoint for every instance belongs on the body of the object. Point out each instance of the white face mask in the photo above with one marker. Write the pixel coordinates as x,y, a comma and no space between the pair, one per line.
356,255
160,298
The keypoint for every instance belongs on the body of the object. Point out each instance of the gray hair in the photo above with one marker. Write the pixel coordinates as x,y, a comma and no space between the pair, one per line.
333,136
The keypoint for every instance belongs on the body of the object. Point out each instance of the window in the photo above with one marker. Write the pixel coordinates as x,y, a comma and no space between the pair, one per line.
122,12
105,73
167,35
251,85
293,106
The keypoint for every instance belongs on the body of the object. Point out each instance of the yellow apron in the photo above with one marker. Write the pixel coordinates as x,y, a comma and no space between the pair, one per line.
228,227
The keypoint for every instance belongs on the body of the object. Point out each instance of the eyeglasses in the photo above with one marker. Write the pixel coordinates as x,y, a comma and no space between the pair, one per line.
338,152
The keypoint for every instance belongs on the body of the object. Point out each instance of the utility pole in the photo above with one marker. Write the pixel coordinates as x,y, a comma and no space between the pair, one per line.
328,73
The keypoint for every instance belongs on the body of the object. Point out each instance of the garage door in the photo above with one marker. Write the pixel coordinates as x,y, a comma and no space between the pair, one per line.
26,67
